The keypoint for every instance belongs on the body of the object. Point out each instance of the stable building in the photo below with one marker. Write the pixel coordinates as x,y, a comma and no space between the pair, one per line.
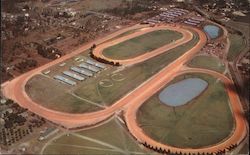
89,67
82,71
73,75
64,80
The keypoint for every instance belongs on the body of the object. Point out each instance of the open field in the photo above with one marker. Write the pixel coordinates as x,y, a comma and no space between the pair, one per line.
207,117
207,62
109,138
245,149
54,95
141,44
237,45
93,5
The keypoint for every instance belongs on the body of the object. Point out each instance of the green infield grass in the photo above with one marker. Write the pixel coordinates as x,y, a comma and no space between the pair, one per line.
204,121
109,138
141,44
236,46
207,62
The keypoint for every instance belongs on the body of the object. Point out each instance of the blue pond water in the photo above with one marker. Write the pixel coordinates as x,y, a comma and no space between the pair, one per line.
182,92
212,31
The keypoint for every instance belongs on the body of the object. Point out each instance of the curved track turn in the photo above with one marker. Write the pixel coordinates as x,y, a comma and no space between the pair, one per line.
240,124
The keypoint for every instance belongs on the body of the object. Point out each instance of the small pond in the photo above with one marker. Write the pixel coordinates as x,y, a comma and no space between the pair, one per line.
212,31
182,92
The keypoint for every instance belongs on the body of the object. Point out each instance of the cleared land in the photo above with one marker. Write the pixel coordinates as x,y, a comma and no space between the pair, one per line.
110,138
141,44
207,62
204,121
237,45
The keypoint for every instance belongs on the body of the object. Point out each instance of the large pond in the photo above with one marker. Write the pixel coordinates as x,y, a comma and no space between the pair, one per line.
212,31
182,92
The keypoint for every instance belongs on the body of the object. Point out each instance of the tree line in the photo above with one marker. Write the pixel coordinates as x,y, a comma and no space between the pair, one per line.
113,63
168,151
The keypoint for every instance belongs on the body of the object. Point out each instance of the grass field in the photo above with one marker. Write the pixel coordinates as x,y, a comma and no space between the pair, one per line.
237,44
110,138
89,95
54,95
204,121
95,5
245,149
141,44
207,62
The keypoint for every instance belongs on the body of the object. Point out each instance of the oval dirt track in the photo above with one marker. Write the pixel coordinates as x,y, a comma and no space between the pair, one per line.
131,102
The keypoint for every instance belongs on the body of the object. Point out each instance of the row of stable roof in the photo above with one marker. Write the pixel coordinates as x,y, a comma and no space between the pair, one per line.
83,69
169,14
194,21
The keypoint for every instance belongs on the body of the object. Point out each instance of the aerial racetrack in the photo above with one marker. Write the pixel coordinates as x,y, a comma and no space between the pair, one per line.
133,100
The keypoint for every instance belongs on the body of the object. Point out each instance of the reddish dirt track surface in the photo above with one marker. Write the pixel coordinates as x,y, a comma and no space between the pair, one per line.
15,90
187,36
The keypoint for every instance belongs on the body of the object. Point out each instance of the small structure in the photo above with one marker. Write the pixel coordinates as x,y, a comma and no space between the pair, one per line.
77,58
3,101
62,64
48,132
46,72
